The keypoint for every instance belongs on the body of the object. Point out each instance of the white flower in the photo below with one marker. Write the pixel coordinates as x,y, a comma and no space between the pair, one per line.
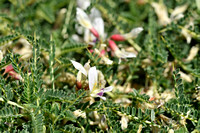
186,77
124,54
79,113
82,70
178,12
193,52
84,20
124,122
83,4
96,86
98,24
186,33
161,11
95,90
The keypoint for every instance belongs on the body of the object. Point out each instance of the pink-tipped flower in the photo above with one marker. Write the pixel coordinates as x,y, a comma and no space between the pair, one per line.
10,70
84,20
131,35
119,53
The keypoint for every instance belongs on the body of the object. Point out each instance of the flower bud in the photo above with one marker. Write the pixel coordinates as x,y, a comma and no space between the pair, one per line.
10,70
78,85
117,37
94,32
113,45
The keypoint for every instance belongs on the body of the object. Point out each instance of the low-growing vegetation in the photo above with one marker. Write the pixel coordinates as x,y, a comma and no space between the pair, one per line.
100,66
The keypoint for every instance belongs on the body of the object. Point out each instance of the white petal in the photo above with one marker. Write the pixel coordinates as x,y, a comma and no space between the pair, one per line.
133,33
83,4
87,66
94,13
124,122
136,31
99,26
104,98
107,61
129,54
179,10
161,12
76,38
193,52
87,36
79,76
79,67
124,54
177,17
92,77
187,35
107,89
83,18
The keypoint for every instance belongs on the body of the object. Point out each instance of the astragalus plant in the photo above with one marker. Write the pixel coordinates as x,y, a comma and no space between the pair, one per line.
100,66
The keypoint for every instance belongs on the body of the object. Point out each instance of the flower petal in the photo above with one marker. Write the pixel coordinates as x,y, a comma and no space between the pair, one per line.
92,77
133,33
136,31
124,54
100,93
129,54
124,122
179,10
161,12
104,98
99,26
79,76
83,18
83,4
79,67
107,89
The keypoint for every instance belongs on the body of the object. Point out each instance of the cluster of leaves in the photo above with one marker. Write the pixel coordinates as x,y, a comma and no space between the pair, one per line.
46,98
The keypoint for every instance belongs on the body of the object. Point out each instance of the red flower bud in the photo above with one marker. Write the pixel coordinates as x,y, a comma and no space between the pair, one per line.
9,68
117,37
112,45
94,32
